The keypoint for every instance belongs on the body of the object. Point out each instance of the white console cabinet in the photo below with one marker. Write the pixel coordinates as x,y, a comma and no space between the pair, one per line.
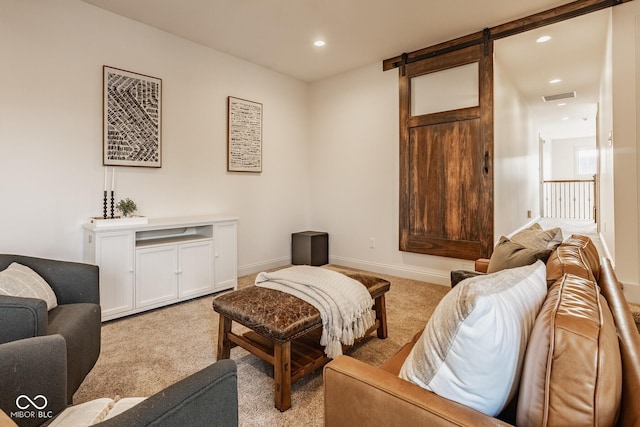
146,266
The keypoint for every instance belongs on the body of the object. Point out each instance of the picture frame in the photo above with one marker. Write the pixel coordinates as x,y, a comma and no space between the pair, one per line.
244,135
132,122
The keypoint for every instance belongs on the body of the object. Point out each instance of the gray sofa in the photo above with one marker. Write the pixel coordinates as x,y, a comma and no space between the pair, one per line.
36,367
76,319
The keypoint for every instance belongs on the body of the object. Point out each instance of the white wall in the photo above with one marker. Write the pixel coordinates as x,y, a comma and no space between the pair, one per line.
516,152
563,157
51,173
355,148
355,176
606,202
626,182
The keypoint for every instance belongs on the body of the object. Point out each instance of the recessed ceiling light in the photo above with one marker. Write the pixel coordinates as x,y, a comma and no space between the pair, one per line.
554,81
562,104
319,43
543,39
564,119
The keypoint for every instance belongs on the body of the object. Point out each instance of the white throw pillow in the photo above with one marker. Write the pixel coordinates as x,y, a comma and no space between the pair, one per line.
18,280
94,411
84,414
473,346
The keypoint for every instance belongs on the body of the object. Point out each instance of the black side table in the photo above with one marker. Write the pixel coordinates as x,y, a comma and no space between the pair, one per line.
310,248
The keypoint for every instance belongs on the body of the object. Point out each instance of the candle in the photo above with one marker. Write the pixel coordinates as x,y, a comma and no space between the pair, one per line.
113,178
105,179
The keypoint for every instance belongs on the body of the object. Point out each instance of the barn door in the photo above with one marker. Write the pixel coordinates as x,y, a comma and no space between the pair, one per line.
446,152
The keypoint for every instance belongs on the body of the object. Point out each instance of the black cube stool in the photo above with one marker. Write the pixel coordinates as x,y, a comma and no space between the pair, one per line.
310,248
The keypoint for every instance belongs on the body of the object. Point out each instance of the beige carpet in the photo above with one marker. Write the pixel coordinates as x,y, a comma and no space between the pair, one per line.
145,353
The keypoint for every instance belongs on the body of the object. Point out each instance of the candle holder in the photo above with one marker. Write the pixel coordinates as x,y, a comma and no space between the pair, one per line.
112,205
104,205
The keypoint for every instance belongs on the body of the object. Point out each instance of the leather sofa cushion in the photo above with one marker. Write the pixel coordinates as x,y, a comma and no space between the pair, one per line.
578,256
589,252
572,372
568,259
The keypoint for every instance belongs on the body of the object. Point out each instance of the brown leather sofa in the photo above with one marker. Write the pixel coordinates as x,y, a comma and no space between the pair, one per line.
357,394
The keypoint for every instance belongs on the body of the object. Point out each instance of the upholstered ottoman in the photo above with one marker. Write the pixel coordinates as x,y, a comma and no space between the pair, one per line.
285,330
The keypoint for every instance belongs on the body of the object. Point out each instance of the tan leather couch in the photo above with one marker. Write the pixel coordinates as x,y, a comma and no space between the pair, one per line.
357,394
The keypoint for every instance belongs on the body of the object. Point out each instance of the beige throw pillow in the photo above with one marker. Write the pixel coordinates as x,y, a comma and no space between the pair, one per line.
509,254
21,281
535,237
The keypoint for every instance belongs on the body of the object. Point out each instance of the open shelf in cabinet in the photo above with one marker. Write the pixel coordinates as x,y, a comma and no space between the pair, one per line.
145,238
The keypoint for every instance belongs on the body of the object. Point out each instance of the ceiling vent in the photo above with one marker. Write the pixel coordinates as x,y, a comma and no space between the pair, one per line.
559,96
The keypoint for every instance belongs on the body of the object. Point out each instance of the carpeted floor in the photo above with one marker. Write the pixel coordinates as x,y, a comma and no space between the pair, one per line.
145,353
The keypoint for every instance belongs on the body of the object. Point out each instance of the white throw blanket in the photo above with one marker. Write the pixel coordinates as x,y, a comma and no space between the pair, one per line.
344,303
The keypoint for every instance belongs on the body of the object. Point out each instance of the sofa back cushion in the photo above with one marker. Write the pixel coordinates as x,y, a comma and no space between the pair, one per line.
589,252
567,259
578,256
471,350
572,372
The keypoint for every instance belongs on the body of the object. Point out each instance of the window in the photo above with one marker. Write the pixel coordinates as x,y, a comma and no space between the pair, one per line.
587,161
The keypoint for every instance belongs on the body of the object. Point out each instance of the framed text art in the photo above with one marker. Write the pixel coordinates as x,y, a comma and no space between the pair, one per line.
132,125
244,146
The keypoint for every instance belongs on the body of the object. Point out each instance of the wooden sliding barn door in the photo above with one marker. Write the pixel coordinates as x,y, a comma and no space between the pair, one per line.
446,154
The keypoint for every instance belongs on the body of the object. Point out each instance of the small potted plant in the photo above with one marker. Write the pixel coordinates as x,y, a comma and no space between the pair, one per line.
127,207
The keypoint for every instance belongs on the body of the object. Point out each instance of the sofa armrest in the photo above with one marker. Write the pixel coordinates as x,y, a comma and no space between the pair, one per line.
208,397
357,394
22,318
72,282
629,340
482,265
33,367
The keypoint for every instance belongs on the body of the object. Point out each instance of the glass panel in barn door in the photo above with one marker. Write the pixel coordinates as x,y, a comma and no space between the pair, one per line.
450,89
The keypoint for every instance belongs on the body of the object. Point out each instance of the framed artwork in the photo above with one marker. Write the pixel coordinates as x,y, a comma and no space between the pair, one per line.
132,127
244,143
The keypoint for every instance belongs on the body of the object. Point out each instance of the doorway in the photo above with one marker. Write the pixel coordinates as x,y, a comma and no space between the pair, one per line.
560,82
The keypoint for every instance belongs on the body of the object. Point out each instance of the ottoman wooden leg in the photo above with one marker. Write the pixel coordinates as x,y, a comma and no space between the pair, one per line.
224,345
282,375
381,315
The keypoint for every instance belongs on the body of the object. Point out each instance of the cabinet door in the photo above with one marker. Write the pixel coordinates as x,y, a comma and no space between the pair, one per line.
156,275
226,256
195,262
114,256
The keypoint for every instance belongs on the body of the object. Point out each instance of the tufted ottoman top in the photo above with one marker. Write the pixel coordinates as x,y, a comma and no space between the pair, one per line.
278,315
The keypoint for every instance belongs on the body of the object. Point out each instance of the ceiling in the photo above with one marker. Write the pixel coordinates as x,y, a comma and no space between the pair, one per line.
279,35
575,54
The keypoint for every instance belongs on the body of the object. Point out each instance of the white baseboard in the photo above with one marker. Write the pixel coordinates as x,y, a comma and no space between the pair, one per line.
631,292
264,265
439,277
605,248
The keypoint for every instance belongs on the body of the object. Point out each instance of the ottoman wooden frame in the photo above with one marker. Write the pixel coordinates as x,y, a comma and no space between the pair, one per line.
284,331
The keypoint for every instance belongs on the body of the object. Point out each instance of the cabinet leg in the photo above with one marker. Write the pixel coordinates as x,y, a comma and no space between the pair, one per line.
224,345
